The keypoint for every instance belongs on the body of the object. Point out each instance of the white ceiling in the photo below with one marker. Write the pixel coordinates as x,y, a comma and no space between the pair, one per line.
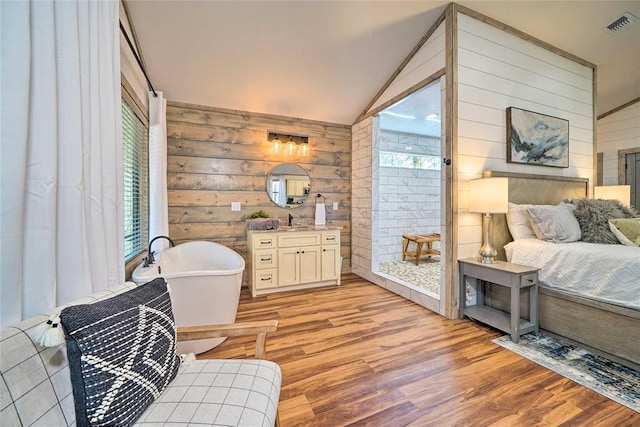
325,60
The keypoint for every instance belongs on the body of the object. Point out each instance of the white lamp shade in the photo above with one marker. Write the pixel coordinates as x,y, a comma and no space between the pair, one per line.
613,192
489,195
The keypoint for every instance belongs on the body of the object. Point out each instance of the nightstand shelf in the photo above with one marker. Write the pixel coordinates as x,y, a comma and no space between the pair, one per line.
498,319
513,276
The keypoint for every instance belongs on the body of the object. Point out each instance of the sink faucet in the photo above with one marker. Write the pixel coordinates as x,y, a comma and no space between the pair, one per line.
290,220
149,259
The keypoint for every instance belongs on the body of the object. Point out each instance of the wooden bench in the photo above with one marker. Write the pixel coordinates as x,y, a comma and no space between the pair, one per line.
420,251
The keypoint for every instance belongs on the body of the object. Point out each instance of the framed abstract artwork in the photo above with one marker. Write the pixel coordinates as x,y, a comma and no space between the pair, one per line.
537,139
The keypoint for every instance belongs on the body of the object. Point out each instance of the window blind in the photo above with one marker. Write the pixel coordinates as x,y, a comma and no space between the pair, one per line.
136,183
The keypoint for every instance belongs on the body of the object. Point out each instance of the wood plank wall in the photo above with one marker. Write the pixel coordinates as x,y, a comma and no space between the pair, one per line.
218,156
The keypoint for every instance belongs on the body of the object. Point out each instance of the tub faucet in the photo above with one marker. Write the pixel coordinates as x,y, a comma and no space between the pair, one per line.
150,259
290,220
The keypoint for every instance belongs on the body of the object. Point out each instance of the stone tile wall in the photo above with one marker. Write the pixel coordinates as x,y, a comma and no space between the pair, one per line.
409,199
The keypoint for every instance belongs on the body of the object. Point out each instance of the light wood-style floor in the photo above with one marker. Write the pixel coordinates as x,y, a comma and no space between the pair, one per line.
360,355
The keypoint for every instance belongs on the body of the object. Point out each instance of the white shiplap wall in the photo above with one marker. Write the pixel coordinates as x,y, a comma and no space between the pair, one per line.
429,59
497,70
618,131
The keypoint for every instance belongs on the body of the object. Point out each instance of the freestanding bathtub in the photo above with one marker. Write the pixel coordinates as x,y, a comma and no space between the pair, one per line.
205,280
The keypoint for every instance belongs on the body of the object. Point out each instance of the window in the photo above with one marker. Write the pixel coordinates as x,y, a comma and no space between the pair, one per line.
136,183
410,161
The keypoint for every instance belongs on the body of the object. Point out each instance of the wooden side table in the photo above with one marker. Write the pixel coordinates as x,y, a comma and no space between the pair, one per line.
513,276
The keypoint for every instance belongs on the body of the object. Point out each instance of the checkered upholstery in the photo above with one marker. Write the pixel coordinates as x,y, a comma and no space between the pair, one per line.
219,393
35,386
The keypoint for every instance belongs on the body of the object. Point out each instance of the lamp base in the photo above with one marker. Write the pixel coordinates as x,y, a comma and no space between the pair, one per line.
487,260
487,252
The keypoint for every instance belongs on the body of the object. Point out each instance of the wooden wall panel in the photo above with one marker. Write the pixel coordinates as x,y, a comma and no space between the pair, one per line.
218,156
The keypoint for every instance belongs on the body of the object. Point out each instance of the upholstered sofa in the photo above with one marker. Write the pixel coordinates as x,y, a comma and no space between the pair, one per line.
36,387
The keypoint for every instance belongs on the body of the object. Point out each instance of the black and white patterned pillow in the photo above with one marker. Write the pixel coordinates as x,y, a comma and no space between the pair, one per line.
122,354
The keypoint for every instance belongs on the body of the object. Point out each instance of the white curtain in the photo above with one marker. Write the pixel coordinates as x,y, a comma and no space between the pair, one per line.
61,178
158,204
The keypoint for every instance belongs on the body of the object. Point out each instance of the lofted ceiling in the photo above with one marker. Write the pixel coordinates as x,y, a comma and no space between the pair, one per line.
326,60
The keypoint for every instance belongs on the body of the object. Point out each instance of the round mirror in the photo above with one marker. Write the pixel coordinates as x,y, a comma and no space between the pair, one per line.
288,185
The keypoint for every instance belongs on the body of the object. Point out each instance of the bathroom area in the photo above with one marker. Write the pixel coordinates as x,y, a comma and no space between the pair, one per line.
408,221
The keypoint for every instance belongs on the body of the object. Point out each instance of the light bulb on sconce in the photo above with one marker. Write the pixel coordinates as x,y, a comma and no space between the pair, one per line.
291,147
304,149
277,145
295,145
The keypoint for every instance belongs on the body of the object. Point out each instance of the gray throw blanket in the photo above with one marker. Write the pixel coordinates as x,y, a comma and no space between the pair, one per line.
262,224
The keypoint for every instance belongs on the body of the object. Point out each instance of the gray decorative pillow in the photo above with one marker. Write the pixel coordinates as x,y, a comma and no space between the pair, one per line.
554,223
122,354
593,216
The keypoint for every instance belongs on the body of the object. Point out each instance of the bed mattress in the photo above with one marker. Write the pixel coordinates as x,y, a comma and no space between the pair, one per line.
608,273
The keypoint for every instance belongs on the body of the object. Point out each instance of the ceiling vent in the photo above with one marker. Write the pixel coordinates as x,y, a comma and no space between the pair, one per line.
622,24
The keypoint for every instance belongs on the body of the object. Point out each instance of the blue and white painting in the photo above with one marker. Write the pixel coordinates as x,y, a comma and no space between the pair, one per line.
537,139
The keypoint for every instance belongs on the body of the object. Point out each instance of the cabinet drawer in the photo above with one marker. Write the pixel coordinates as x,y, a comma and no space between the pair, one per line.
528,279
265,279
331,238
264,241
293,239
265,258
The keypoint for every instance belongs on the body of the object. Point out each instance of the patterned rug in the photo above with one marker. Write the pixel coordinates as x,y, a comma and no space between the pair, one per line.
610,379
426,275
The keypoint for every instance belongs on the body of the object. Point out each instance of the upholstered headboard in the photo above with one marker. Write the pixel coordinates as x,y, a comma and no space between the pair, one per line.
536,190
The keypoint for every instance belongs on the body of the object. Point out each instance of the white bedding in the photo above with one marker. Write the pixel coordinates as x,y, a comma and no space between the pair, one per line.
609,273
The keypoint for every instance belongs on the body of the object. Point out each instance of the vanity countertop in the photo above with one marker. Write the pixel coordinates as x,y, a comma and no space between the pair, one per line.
295,228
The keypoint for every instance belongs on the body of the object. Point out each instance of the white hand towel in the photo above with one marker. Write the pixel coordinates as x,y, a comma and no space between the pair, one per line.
321,214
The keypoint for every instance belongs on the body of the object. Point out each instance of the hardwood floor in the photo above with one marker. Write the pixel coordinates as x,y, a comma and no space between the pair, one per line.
357,354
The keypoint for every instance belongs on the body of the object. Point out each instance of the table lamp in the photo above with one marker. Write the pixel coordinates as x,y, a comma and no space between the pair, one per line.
488,196
621,193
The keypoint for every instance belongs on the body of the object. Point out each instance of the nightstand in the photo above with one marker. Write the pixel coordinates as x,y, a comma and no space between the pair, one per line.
513,276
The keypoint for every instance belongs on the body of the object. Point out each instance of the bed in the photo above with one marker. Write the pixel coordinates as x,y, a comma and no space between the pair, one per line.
606,320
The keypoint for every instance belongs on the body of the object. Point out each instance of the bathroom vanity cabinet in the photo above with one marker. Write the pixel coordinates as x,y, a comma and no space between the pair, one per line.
293,258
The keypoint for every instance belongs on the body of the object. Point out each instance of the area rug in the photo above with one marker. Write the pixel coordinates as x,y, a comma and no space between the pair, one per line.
610,379
426,275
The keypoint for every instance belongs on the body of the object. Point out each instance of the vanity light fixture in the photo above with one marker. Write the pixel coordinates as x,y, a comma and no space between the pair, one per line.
295,146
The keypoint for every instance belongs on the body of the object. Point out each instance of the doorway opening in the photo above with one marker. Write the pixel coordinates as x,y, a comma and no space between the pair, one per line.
407,201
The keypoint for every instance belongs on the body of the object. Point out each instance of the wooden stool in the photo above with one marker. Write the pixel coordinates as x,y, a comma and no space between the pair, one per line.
420,240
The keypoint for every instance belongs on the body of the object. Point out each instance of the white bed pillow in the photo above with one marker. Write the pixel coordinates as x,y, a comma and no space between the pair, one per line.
555,223
518,222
